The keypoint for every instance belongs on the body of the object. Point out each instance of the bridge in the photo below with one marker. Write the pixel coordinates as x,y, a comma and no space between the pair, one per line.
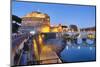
41,48
31,49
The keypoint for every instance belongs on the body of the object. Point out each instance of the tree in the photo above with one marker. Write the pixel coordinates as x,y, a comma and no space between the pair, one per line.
73,27
15,26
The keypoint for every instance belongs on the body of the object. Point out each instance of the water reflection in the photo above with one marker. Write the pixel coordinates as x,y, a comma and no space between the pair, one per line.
67,47
82,51
79,47
90,48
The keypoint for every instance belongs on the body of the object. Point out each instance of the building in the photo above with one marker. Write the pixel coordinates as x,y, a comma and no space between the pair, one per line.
36,21
92,29
59,28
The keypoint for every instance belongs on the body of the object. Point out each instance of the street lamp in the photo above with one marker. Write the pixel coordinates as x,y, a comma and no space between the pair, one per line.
32,32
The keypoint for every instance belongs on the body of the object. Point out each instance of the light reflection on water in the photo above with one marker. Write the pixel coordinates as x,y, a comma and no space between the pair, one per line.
78,47
78,53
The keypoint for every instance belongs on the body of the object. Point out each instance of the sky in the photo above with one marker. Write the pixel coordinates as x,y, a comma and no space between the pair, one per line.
65,14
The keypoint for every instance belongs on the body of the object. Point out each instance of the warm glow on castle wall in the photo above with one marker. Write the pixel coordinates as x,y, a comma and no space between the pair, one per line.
54,29
45,29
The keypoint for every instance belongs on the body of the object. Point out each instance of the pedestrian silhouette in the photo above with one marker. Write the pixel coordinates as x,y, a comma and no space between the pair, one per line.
26,47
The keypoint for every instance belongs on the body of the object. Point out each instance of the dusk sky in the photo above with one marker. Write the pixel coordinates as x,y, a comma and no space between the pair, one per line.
82,16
